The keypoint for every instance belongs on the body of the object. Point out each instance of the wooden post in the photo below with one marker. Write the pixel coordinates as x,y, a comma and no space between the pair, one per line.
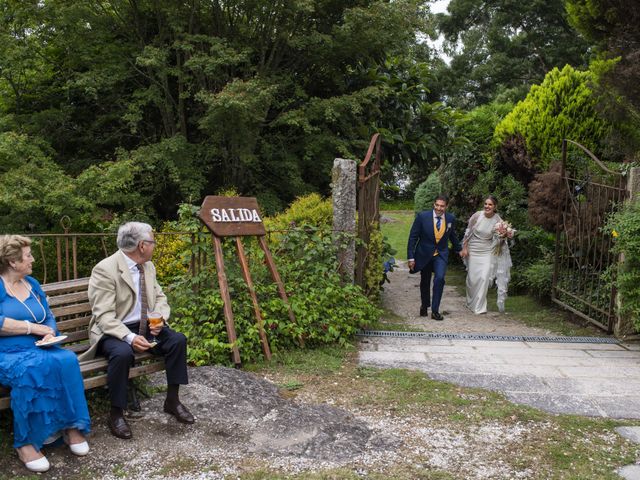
226,298
254,299
240,217
276,278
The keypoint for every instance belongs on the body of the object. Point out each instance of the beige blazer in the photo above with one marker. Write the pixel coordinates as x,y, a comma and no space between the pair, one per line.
112,296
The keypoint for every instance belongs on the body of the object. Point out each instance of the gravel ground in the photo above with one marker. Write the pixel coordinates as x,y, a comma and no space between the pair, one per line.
246,424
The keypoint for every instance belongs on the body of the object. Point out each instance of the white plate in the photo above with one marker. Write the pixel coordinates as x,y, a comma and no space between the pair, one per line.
51,341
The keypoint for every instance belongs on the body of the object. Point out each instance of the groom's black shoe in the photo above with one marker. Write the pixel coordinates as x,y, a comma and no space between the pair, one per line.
436,316
424,311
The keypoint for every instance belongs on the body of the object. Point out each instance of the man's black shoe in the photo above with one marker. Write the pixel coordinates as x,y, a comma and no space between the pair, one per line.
424,311
119,427
179,411
436,316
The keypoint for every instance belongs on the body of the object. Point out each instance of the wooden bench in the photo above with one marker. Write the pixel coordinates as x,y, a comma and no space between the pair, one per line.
69,302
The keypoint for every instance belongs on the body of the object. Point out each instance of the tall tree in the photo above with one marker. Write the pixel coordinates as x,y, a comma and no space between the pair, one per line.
206,94
504,46
612,25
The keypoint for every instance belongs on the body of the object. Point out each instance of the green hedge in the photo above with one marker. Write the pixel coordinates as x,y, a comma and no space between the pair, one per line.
326,310
563,106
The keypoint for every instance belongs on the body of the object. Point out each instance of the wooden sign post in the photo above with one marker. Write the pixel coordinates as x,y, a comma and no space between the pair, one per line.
239,217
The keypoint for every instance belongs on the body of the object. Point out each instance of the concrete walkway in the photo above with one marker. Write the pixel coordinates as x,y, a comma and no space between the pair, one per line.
592,379
601,380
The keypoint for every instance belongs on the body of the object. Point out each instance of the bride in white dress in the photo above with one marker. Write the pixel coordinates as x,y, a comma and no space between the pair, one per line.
483,265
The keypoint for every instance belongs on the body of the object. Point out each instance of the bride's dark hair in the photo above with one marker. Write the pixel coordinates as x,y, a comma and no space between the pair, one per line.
493,199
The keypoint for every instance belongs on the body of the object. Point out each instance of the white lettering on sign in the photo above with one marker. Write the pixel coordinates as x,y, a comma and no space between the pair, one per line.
235,215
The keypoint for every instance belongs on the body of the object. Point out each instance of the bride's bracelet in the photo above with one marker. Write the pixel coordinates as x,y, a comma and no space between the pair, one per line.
28,327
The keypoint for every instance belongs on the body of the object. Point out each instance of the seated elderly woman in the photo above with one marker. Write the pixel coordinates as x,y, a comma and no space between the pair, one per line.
47,392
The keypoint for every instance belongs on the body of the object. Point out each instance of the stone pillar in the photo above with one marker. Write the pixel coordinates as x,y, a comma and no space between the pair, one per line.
343,188
624,327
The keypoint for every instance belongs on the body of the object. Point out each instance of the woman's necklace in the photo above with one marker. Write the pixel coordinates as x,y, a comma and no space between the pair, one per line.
44,312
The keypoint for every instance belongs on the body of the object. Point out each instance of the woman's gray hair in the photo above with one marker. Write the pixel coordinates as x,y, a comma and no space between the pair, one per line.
11,250
131,234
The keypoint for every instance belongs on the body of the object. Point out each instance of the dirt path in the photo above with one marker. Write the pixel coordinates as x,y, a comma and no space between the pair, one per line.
402,297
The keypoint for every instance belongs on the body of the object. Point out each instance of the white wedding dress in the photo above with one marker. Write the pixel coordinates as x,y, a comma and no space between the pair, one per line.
483,266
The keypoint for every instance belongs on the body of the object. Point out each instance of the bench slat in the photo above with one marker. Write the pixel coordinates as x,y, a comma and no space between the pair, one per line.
58,288
80,322
71,310
100,380
67,298
101,363
77,336
78,348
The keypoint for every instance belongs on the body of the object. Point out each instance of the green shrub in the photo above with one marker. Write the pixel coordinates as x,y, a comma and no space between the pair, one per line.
426,193
326,311
471,156
563,106
624,226
535,278
309,210
379,250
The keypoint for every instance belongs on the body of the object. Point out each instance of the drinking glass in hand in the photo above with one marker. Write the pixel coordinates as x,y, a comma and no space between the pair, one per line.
155,320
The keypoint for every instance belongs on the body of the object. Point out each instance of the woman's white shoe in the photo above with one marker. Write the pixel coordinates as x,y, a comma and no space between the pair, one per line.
80,449
39,465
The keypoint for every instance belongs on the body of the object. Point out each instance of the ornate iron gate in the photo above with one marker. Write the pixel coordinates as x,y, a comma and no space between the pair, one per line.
368,205
584,266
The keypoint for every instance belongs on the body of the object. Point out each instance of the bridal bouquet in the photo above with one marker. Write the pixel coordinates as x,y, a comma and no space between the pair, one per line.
503,231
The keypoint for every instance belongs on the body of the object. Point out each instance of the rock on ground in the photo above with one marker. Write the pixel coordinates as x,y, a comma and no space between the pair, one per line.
241,419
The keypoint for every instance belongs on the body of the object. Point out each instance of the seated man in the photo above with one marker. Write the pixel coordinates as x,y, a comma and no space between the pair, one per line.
122,290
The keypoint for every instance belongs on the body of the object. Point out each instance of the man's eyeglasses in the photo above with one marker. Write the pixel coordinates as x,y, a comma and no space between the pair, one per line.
150,241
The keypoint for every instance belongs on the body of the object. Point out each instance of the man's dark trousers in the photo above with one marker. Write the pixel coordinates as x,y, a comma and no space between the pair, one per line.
438,267
171,345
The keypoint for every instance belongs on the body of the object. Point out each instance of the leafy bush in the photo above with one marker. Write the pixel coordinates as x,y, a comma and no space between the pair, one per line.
379,251
426,192
468,159
624,226
562,106
326,311
545,195
168,254
536,277
309,210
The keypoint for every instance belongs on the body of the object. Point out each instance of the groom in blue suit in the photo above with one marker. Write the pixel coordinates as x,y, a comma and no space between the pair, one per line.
428,252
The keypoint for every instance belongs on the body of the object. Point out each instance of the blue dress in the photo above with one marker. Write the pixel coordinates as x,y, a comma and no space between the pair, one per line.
47,391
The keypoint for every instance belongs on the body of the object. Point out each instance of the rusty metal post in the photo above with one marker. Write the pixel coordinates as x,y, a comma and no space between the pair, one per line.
561,205
74,246
59,257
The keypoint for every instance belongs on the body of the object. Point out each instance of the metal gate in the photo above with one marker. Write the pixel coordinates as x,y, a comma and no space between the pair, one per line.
368,206
584,266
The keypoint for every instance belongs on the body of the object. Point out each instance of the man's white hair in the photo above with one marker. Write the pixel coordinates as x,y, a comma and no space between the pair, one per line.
131,234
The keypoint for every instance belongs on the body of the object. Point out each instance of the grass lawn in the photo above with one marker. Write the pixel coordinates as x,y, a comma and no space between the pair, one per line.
397,230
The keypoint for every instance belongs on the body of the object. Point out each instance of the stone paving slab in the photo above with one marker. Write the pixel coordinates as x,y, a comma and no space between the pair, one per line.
521,384
594,379
600,380
630,472
630,433
600,386
617,354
